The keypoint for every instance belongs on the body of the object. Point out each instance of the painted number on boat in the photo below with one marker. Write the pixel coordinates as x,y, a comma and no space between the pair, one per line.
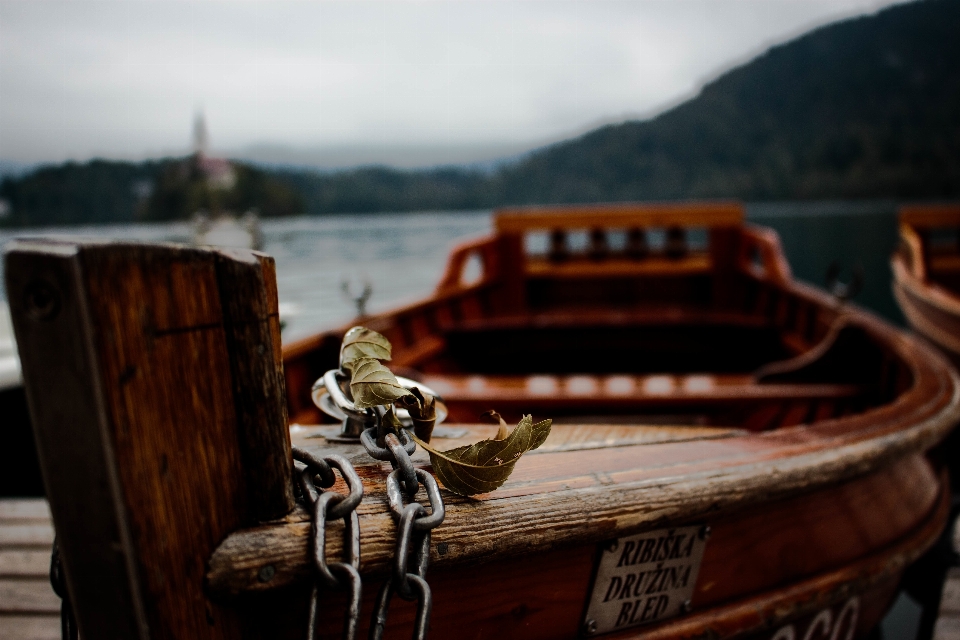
644,578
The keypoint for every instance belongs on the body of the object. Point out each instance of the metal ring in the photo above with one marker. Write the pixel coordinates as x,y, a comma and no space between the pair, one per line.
352,499
322,468
395,499
402,554
423,553
369,442
318,531
307,486
424,598
323,507
352,615
355,586
402,463
330,398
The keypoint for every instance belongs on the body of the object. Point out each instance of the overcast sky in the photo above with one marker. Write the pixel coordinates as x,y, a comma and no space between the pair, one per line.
344,82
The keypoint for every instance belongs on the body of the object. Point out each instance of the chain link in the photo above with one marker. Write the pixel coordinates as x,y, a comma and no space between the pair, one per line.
414,524
390,442
331,505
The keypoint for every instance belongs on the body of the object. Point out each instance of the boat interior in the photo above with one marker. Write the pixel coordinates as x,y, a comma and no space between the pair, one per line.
930,244
676,314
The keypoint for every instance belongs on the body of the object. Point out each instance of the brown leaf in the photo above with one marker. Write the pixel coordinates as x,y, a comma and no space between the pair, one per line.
484,466
361,343
423,412
373,384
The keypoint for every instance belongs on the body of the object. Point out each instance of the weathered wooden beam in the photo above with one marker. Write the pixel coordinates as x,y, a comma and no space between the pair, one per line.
152,375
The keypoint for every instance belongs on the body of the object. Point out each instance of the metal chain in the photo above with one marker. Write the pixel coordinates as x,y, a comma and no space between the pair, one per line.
413,525
331,505
68,624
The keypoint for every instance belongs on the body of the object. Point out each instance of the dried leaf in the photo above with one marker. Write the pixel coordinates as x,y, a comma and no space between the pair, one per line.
503,430
372,384
484,466
423,412
361,343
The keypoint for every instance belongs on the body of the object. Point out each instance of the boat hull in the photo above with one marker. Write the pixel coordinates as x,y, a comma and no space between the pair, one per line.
932,312
766,569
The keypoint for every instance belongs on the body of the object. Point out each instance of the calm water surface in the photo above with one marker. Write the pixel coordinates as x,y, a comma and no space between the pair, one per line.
402,255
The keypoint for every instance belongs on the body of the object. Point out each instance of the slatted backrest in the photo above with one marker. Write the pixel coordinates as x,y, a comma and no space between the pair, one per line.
637,222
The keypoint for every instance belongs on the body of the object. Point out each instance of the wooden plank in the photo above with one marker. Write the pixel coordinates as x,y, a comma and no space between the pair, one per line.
28,596
950,598
24,563
947,628
35,627
134,393
581,269
26,535
54,336
251,319
581,500
930,215
24,509
618,216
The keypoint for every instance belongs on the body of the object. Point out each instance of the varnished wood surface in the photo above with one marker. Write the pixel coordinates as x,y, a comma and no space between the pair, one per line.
29,609
931,215
471,395
619,216
930,310
619,268
750,579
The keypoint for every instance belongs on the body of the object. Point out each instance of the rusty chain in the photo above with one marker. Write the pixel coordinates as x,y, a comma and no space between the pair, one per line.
389,442
414,524
331,505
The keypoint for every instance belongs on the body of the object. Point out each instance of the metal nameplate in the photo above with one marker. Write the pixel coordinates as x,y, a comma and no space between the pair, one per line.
645,578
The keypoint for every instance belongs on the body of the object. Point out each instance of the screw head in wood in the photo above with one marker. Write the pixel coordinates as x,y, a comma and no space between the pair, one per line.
41,300
266,573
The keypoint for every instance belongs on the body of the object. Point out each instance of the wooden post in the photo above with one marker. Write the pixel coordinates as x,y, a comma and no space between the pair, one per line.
155,387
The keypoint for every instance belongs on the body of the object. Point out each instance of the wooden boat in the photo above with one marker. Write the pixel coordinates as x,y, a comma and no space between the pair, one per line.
777,445
926,271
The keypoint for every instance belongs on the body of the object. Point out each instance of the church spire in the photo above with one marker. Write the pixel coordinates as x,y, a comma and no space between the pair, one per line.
201,138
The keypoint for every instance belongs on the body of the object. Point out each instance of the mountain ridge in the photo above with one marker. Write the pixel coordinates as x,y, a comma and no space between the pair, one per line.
867,107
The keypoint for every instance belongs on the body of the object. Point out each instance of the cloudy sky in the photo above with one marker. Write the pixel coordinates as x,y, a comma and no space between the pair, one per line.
334,83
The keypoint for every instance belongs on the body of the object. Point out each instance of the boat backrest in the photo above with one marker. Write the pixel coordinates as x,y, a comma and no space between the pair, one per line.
619,216
657,237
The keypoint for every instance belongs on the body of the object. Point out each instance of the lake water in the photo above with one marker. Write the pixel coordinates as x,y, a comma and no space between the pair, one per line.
402,255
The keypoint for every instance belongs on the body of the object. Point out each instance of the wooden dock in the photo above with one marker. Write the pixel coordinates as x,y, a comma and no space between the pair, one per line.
29,609
948,622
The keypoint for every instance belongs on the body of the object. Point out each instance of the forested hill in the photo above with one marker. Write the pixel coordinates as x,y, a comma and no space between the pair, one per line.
864,108
868,107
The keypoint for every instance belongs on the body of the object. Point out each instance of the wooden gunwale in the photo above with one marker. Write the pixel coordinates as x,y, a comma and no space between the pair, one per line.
931,310
622,215
587,496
